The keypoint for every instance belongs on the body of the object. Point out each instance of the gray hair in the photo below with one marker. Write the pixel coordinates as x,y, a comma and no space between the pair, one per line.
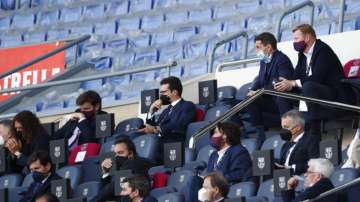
296,117
322,166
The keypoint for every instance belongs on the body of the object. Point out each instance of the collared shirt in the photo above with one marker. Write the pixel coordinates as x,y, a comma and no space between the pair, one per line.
175,102
221,153
308,56
44,180
219,199
296,140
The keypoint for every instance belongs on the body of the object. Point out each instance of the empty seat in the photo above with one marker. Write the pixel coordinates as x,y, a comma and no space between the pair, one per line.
189,155
5,22
224,11
128,24
16,193
139,41
22,21
107,147
266,190
140,5
7,4
94,11
215,112
171,53
243,91
116,44
69,14
195,49
163,37
71,172
193,128
250,144
118,7
274,142
48,17
357,23
92,84
147,146
201,160
10,181
129,125
160,192
149,22
159,169
200,15
105,28
242,189
180,179
232,26
146,57
57,34
11,40
225,94
101,63
343,176
91,47
34,37
196,68
185,33
164,3
124,60
176,17
210,28
87,190
173,197
82,29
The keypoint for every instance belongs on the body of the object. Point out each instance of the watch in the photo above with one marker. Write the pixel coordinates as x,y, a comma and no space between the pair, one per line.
17,154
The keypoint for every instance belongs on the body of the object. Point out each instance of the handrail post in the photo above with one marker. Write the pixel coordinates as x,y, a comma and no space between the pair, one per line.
223,41
291,10
341,15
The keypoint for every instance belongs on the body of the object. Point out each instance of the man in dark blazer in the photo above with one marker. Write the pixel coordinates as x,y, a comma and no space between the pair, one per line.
136,188
80,128
43,173
173,121
297,151
273,65
316,182
215,188
318,74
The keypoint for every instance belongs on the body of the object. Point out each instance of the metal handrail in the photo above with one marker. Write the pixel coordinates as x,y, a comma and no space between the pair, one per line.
47,55
220,66
225,40
341,15
94,77
336,190
291,10
260,93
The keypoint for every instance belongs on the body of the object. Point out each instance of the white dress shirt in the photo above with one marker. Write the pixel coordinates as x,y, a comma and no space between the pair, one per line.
296,140
308,56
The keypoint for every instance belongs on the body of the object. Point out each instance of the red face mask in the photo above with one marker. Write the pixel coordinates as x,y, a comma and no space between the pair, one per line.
217,142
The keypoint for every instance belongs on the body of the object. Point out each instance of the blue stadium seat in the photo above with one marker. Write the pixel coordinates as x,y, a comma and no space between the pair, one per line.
200,15
195,68
176,17
5,22
70,14
173,197
242,189
357,23
147,146
150,22
124,60
201,160
159,169
82,29
91,169
28,179
107,147
156,193
46,18
163,37
105,28
189,155
16,193
10,181
71,172
171,53
94,11
54,105
11,40
275,142
188,2
101,63
92,84
266,190
7,4
129,125
250,144
210,28
22,21
193,128
224,11
128,25
243,91
140,5
232,26
177,71
343,176
139,41
146,57
87,190
164,3
116,44
34,37
215,112
118,7
90,47
184,33
226,94
56,34
180,179
195,49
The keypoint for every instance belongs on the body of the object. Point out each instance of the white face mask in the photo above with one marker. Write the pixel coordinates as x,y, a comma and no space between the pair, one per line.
265,58
203,195
2,141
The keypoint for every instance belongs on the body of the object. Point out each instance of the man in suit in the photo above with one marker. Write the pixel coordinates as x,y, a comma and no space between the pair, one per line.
80,127
316,182
299,148
318,74
42,172
173,121
274,65
136,189
215,188
125,159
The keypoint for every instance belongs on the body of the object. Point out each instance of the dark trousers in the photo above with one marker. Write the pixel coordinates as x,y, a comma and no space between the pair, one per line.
192,189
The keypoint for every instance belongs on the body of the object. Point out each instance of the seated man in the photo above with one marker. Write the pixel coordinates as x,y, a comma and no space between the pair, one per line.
43,173
80,126
215,188
136,188
5,127
5,134
318,74
126,159
173,121
274,65
231,159
297,151
316,182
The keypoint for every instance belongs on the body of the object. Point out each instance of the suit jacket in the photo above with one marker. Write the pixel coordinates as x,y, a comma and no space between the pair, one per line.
235,164
173,126
87,128
318,188
304,150
30,195
279,66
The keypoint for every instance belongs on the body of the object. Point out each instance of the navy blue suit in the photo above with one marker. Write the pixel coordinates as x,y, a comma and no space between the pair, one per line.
318,188
235,165
279,66
173,125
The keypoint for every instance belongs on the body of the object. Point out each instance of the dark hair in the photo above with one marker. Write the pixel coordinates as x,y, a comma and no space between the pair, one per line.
40,155
91,97
129,144
174,84
267,38
218,180
6,123
140,183
305,29
30,123
231,130
49,197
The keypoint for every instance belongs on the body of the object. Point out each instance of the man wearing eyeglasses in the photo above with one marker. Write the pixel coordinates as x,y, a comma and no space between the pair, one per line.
316,182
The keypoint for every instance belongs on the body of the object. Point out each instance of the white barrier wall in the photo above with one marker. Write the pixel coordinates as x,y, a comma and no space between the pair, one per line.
346,45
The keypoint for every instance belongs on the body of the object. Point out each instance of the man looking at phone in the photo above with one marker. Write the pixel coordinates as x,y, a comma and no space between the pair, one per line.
174,119
80,126
274,66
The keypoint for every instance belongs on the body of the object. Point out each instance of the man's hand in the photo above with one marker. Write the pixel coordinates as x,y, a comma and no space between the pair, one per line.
106,165
284,85
155,106
77,116
251,93
292,183
13,145
148,129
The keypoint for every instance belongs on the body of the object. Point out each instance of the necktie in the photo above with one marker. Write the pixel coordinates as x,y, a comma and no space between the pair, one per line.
167,112
291,144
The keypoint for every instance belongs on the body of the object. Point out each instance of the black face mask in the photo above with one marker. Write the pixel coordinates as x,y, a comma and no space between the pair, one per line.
165,100
89,114
120,161
19,135
285,135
